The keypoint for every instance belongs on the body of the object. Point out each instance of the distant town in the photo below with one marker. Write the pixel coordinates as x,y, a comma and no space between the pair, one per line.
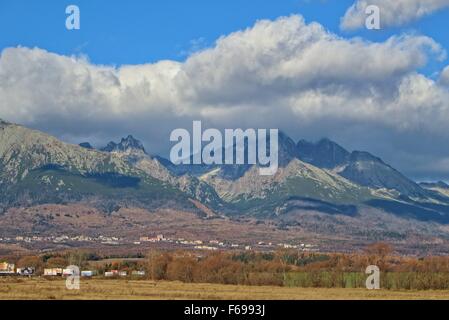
197,244
158,241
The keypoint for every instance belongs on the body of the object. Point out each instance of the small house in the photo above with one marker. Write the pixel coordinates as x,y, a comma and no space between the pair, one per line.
87,273
7,268
28,271
53,272
68,272
112,273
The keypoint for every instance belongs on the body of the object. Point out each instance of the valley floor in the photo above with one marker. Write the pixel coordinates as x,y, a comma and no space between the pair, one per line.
38,288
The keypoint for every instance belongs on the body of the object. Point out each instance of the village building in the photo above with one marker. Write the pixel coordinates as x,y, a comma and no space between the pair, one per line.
6,268
87,273
28,271
53,272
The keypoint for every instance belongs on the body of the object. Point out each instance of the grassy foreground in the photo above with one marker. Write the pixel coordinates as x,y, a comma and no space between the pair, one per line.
11,288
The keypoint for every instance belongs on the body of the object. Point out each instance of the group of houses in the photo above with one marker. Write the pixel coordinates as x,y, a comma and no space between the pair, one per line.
55,272
8,269
117,273
214,245
61,239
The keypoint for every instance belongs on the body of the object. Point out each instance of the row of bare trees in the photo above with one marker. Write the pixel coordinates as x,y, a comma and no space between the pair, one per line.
281,267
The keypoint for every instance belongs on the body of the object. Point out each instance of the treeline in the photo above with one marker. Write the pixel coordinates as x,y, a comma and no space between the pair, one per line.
280,268
299,269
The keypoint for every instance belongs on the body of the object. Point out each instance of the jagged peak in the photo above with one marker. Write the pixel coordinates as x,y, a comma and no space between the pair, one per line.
86,145
131,143
285,139
126,144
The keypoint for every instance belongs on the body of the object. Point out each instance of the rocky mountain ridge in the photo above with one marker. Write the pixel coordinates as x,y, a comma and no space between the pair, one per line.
37,168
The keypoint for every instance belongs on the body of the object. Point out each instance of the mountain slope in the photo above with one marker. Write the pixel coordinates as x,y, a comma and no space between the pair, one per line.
133,152
38,168
269,195
441,188
324,154
359,167
23,150
286,153
367,170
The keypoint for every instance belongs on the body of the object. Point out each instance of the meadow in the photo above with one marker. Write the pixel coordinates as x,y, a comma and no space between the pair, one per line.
120,289
282,274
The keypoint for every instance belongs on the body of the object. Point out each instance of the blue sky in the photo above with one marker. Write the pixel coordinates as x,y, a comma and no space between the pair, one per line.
148,31
142,31
140,77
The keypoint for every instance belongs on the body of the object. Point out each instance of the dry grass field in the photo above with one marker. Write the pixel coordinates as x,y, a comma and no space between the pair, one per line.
38,288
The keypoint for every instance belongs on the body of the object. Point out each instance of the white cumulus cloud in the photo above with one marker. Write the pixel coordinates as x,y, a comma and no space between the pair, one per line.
392,13
280,74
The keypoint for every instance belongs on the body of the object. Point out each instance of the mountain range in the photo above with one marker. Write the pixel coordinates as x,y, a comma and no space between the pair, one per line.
314,179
